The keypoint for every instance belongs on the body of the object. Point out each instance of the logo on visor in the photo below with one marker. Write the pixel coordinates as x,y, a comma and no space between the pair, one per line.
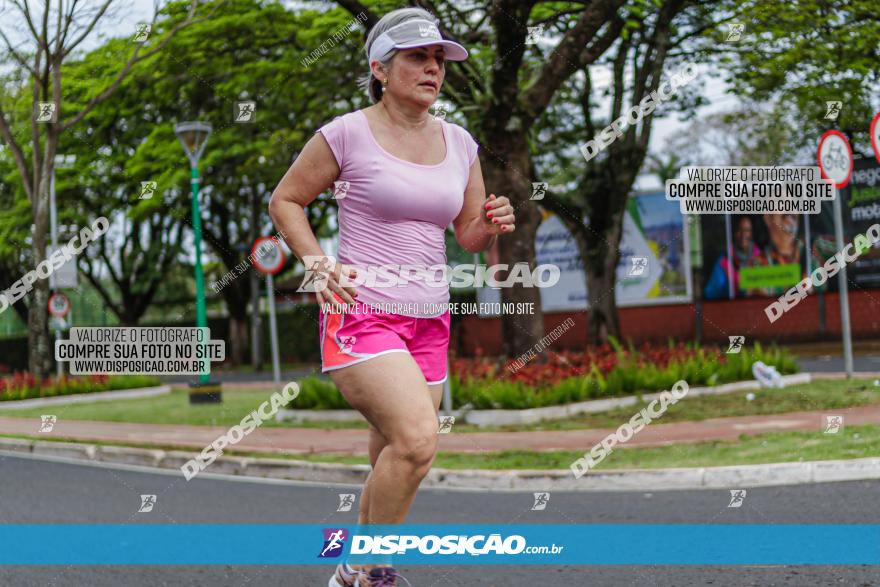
429,30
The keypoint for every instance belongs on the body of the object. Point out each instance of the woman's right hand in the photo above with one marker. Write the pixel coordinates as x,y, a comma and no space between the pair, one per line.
333,289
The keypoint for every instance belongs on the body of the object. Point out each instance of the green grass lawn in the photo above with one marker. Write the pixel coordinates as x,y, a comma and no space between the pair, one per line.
174,408
818,395
774,447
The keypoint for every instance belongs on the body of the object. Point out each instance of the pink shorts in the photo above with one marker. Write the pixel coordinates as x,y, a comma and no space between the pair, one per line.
352,337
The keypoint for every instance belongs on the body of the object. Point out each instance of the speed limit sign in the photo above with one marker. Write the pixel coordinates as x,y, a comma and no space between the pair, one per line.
267,255
59,305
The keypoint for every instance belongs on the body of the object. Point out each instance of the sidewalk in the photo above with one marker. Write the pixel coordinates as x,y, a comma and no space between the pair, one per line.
294,441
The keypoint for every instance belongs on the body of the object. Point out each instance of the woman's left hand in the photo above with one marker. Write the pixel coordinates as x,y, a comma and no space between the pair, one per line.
498,215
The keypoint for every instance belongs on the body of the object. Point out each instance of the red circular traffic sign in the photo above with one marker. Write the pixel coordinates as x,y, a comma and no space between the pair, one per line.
835,158
267,255
875,135
59,305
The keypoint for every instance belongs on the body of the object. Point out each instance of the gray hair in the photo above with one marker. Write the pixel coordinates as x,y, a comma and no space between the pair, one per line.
369,83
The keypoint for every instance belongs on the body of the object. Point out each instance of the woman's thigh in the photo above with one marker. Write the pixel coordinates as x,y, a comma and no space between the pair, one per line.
391,392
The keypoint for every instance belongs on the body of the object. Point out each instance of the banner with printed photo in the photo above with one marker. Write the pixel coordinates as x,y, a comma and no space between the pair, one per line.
654,258
861,209
763,255
752,255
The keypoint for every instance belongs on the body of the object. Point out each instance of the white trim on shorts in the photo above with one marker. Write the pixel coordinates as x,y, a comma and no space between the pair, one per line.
326,369
361,360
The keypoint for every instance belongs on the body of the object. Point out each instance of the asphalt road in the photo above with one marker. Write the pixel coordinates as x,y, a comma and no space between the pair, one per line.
42,491
826,363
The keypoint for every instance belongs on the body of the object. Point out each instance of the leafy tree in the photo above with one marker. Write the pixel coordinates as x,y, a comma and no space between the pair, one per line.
128,266
746,135
201,75
224,62
53,33
14,230
803,54
502,91
650,49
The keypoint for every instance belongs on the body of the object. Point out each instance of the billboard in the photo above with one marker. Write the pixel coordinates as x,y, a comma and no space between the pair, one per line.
762,255
653,266
861,209
753,255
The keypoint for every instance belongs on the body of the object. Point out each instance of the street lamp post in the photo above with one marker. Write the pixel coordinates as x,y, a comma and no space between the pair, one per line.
194,136
61,162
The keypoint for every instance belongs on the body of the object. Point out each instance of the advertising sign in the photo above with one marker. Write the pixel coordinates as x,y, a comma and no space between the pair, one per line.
653,266
772,252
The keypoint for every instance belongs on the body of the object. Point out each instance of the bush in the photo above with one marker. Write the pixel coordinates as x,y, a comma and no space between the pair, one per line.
318,394
567,377
25,386
609,371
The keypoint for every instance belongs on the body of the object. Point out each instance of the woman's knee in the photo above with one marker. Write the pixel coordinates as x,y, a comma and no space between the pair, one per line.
417,446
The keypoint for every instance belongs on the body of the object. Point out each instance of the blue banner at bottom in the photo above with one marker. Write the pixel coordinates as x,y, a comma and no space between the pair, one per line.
439,544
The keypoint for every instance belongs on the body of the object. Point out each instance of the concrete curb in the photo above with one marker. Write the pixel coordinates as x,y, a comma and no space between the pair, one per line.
837,375
534,415
731,477
286,415
77,398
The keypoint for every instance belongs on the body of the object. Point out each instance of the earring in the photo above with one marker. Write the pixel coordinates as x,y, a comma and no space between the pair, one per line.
385,82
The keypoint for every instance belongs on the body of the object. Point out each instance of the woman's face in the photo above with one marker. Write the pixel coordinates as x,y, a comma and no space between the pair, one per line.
782,227
416,75
743,234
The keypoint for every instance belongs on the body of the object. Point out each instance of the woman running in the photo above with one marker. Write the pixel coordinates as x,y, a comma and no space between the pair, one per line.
401,177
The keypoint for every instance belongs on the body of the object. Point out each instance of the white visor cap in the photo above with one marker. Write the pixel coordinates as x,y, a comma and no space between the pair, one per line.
414,33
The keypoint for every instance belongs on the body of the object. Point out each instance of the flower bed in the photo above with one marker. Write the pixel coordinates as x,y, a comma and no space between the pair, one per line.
606,371
609,370
25,386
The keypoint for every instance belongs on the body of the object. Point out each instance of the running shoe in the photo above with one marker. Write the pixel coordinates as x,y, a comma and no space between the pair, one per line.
345,576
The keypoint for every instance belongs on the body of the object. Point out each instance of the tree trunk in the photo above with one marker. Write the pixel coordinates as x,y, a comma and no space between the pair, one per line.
39,351
602,320
256,330
697,280
254,287
602,241
238,338
511,178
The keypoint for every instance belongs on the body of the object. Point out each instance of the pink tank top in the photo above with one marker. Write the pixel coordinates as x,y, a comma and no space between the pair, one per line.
395,212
